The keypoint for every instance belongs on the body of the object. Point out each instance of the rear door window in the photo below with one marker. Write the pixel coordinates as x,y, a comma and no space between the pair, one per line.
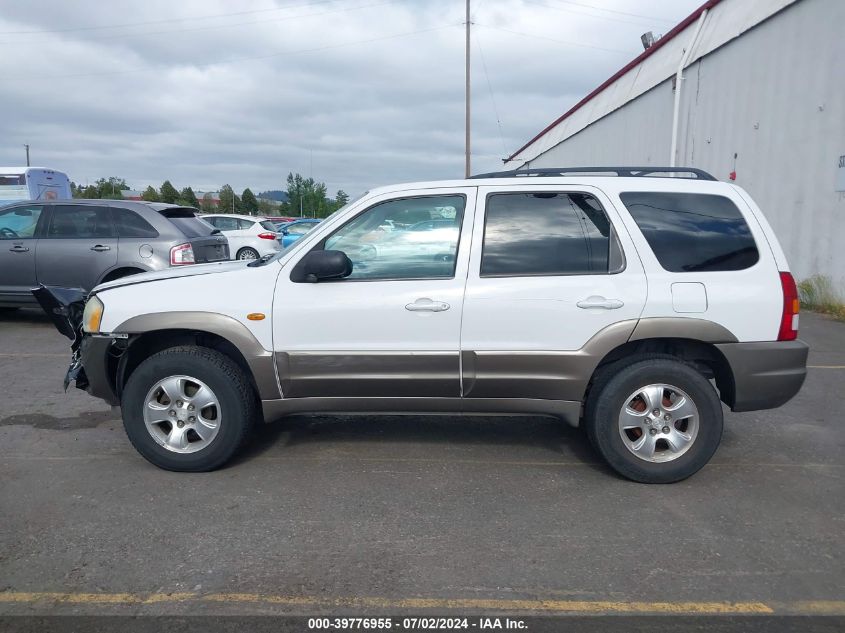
547,233
80,222
693,232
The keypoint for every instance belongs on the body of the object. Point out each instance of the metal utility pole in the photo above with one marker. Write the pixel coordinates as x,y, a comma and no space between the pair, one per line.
27,154
467,121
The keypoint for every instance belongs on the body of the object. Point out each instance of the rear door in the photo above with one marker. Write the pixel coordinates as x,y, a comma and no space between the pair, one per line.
78,247
550,269
18,241
229,227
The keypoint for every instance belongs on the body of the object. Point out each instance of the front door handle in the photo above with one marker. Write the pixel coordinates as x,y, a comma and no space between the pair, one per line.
19,249
427,305
100,248
600,303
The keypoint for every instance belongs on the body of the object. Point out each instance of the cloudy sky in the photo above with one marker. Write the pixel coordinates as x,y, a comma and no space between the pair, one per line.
357,93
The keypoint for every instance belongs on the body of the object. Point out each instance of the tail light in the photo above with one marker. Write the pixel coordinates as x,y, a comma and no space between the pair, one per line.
181,255
267,236
791,306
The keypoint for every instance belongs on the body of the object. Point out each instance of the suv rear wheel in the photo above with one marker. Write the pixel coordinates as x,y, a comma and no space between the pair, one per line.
654,420
188,409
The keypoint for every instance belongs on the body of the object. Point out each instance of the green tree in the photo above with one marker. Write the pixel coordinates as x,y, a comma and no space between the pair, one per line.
207,205
229,202
150,194
341,198
296,193
188,198
111,187
89,192
265,207
249,203
169,194
308,197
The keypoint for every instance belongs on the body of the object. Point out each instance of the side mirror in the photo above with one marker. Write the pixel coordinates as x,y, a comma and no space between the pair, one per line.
321,265
285,231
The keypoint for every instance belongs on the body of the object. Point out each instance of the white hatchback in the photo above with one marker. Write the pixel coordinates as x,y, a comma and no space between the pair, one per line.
250,237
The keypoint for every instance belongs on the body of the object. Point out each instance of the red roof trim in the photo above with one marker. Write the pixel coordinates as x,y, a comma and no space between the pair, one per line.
645,54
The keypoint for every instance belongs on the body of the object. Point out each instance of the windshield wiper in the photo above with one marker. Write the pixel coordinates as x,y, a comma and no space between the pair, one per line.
262,260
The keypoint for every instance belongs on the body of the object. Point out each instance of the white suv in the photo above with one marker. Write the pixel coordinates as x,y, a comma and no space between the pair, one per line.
249,237
629,301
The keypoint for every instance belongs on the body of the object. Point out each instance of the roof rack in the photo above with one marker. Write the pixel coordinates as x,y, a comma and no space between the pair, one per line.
650,171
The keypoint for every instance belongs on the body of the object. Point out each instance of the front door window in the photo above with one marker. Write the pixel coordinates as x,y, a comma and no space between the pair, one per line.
410,238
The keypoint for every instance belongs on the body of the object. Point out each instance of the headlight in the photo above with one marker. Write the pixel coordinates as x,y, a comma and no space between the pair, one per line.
92,315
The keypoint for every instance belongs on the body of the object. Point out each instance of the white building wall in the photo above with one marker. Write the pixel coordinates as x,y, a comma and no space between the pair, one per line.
775,97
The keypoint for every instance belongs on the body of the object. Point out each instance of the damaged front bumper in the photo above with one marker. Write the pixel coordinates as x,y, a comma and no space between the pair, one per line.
90,354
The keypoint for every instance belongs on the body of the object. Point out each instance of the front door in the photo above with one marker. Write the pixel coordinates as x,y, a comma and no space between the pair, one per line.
554,270
18,241
391,329
78,247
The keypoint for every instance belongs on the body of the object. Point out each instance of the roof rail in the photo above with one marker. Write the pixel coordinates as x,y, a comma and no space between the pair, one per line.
650,171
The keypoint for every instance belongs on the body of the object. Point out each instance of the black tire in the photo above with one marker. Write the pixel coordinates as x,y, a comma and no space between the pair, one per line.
237,398
250,252
607,397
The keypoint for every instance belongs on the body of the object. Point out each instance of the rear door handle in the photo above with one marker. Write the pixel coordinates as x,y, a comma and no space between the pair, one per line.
100,248
600,303
427,305
19,249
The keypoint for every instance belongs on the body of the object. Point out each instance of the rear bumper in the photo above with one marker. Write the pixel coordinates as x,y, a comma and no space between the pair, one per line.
94,352
766,375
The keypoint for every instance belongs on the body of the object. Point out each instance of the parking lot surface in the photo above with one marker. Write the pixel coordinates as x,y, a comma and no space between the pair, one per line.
391,514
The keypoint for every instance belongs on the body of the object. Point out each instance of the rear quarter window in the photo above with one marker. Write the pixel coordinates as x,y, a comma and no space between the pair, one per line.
187,221
692,232
130,224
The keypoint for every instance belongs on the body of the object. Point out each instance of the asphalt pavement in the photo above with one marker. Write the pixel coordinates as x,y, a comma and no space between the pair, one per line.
391,514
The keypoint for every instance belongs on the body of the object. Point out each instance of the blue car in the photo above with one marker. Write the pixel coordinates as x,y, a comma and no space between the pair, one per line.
292,231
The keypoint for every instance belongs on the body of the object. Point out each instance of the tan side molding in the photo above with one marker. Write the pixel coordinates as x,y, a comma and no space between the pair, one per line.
260,360
682,327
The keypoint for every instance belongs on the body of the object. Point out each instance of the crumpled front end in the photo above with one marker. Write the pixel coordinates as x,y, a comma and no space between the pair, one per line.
65,307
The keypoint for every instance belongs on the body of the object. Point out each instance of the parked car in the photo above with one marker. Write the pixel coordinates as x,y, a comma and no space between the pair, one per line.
292,231
82,243
281,219
250,237
629,304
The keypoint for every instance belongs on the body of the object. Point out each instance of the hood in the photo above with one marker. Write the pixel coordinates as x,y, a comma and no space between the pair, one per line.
191,270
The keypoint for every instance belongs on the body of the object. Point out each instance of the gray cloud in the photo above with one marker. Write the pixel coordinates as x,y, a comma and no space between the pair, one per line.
370,90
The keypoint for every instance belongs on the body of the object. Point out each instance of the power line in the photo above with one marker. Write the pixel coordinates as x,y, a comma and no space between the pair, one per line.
588,15
551,39
633,15
235,59
220,26
166,21
492,96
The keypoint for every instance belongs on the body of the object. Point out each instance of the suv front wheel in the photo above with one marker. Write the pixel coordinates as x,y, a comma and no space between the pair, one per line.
188,408
654,420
